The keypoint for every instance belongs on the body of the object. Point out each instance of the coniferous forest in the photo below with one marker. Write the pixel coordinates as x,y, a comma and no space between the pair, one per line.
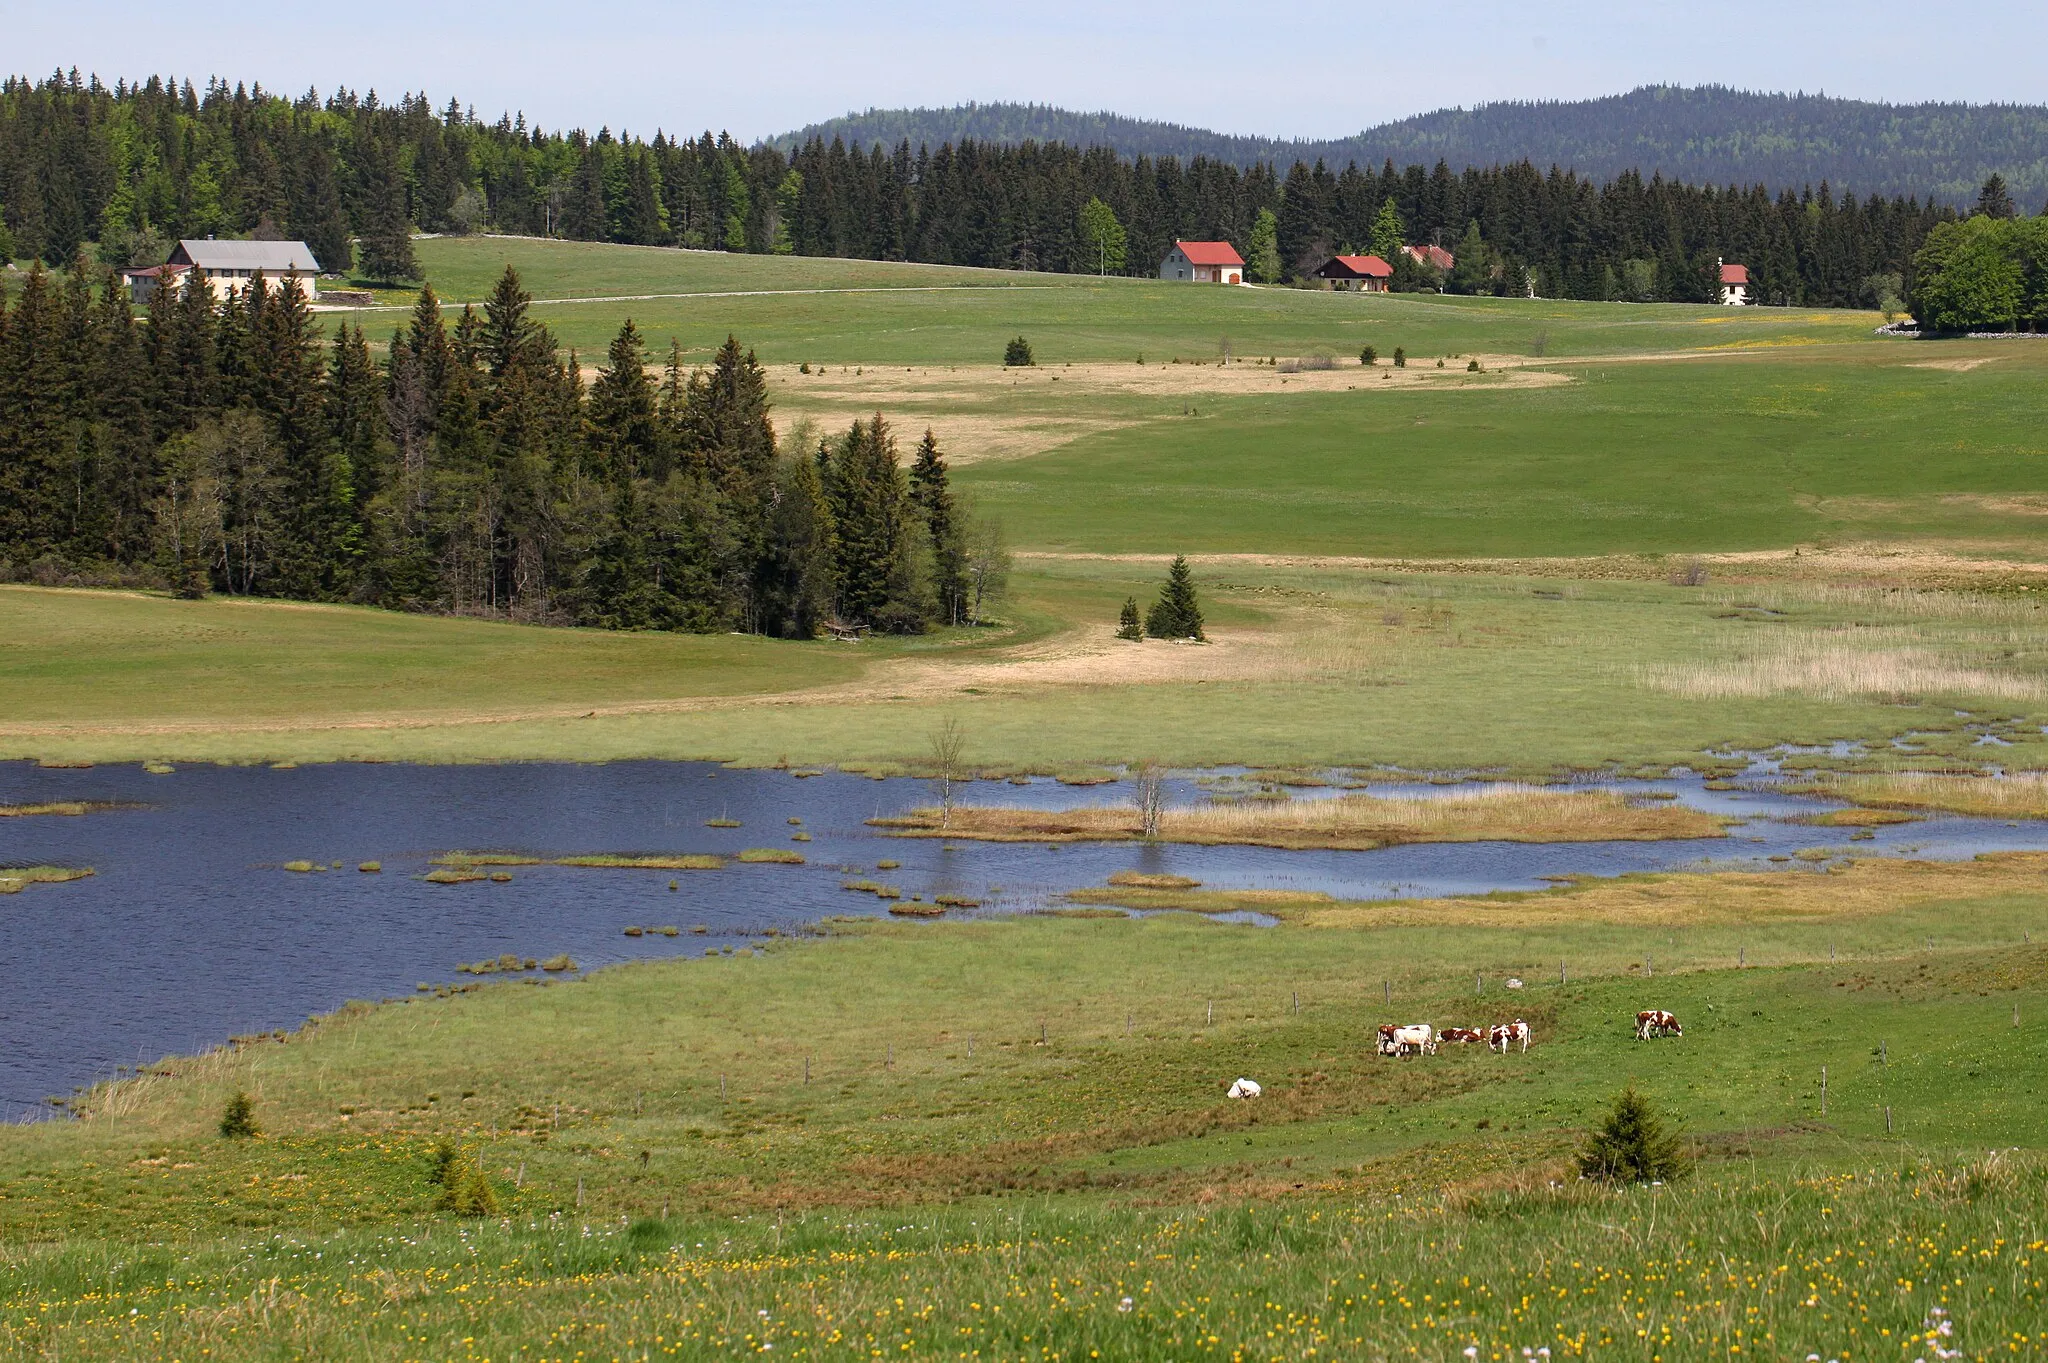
231,448
132,167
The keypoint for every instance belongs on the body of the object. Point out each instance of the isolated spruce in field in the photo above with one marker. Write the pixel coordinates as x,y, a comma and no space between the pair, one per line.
1127,626
238,1119
1400,357
1368,357
1017,354
1176,614
1632,1145
465,1188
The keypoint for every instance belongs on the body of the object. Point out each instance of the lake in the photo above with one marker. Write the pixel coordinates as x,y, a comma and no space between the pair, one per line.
191,931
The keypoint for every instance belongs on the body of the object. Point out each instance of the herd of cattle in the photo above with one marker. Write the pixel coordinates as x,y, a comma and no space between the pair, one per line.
1421,1039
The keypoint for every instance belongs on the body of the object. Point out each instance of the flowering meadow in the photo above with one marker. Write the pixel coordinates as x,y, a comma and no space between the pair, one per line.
1010,1140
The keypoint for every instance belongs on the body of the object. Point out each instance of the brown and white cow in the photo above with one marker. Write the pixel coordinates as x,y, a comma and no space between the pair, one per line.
1417,1039
1656,1022
1503,1034
1461,1035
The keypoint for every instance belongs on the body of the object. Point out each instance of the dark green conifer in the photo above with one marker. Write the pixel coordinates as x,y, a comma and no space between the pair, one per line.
1631,1145
1176,614
1127,626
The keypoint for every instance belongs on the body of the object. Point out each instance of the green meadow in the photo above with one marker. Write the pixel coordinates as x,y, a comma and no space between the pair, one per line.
1633,537
941,1139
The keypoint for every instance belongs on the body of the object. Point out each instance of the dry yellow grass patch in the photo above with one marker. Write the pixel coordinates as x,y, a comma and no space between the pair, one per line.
986,412
1862,889
2022,795
1828,670
1348,822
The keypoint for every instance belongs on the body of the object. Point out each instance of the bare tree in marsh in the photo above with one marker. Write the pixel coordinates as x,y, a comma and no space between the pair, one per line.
1150,797
948,744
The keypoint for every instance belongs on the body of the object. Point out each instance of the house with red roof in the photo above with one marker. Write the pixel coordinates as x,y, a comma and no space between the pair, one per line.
1203,262
1359,274
1735,286
1432,257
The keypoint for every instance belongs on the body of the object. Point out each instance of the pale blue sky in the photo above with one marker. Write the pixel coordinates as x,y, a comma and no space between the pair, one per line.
769,66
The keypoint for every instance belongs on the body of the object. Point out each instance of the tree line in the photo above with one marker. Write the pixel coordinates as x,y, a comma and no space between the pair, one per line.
230,447
1703,135
1988,272
134,166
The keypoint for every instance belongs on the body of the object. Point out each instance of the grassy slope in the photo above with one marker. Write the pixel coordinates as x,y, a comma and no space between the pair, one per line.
611,1086
1311,668
1757,451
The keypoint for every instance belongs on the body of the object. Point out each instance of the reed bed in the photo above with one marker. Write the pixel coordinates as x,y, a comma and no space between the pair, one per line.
2021,795
771,856
1499,813
68,808
1827,670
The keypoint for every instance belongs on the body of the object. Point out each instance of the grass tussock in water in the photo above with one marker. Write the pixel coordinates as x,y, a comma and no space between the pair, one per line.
772,856
1350,822
68,808
15,879
466,860
2022,795
674,861
1142,880
450,876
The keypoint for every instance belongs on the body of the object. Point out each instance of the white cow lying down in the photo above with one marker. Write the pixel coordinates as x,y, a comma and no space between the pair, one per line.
1245,1088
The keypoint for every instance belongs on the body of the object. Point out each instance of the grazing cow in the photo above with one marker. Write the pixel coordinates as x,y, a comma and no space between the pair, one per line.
1502,1034
1461,1035
1656,1022
1245,1088
1413,1040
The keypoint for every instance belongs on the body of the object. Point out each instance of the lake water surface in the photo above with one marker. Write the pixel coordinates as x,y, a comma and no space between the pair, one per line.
191,931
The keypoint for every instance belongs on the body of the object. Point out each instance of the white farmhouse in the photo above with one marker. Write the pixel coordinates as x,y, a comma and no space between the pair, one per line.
228,266
1735,286
1203,262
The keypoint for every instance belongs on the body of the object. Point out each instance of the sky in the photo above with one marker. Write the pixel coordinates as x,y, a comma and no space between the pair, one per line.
760,67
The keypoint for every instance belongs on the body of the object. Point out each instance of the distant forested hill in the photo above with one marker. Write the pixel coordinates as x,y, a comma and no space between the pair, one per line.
1708,135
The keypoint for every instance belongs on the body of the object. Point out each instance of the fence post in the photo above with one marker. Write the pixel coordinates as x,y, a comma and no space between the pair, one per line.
807,1069
1387,991
1562,981
1478,983
1212,1014
1887,1119
1297,1003
1823,1090
1649,967
721,1087
1742,955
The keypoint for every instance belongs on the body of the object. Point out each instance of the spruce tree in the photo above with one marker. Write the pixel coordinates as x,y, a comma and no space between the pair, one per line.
1017,354
1632,1145
1262,250
1388,234
1127,626
386,242
624,438
934,499
1176,614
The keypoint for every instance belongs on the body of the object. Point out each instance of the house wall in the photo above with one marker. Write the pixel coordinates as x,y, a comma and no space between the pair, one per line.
1175,266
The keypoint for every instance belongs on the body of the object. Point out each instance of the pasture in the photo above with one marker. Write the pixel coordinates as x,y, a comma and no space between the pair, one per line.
1633,537
1029,1114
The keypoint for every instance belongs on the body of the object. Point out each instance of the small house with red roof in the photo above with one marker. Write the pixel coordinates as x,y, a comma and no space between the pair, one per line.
1359,274
1432,258
1203,262
1735,286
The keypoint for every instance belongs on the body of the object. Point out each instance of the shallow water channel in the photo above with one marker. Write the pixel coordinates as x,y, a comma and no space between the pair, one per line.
191,930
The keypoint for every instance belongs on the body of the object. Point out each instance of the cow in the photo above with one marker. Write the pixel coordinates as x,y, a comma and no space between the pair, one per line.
1245,1088
1417,1039
1656,1022
1461,1035
1502,1034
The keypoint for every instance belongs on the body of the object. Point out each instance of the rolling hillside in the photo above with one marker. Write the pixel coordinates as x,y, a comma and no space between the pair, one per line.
1706,135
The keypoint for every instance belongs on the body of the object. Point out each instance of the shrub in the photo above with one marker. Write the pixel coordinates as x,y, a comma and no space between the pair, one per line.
1017,354
465,1189
238,1118
1368,357
1472,366
1400,357
1127,626
1632,1145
